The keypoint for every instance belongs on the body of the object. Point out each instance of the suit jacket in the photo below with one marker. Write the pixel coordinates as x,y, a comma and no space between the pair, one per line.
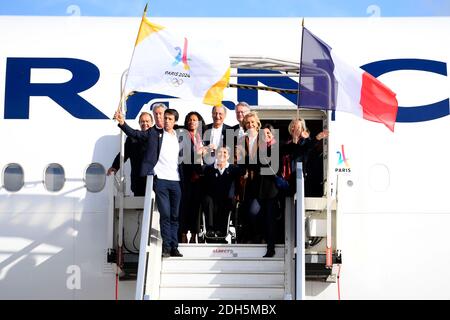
257,185
192,161
219,185
236,127
152,139
207,135
302,152
134,150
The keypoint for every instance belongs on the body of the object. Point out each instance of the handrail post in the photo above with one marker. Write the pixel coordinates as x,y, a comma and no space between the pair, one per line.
143,264
300,238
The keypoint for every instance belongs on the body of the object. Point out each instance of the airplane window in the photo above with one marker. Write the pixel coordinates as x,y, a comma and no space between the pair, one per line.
54,178
13,177
95,177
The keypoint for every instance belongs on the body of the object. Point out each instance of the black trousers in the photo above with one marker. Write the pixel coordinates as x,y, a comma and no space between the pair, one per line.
216,211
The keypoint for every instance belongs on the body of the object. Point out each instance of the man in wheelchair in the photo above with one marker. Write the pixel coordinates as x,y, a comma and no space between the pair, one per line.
219,198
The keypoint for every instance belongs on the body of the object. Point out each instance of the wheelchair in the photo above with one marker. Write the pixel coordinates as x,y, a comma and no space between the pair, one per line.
231,233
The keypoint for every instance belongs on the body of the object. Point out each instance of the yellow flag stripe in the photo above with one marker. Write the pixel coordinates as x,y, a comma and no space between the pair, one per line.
214,95
146,29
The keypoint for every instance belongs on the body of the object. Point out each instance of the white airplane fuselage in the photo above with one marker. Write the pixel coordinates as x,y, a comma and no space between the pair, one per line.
60,81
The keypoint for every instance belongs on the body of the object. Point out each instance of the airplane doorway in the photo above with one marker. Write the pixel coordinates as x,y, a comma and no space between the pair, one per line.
316,121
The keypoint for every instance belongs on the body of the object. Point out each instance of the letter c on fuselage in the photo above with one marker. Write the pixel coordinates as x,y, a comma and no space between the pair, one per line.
416,113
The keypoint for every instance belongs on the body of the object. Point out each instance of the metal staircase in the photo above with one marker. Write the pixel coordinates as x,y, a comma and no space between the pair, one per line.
228,271
206,271
223,271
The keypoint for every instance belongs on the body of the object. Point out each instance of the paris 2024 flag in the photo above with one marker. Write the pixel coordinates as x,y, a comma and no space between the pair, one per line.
329,83
174,65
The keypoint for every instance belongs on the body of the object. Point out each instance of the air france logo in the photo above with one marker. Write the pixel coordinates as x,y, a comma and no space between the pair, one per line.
342,164
182,56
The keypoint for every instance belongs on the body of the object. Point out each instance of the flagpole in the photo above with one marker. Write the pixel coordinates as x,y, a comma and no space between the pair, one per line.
330,191
121,189
144,14
300,69
331,185
122,108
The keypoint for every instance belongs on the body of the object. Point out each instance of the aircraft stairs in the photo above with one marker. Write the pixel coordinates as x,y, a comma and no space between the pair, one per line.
223,271
206,270
229,271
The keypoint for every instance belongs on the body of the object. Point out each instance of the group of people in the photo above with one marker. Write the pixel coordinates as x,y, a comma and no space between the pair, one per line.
209,168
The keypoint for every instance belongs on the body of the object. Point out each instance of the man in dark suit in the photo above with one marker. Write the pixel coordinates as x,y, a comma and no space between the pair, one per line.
215,135
158,109
161,160
241,109
218,193
134,150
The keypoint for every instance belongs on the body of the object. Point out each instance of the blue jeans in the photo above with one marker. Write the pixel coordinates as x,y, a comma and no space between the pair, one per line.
168,197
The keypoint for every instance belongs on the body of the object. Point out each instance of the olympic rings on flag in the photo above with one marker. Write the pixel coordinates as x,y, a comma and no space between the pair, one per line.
175,82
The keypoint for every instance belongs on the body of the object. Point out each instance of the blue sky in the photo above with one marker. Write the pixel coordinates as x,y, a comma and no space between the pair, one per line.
228,8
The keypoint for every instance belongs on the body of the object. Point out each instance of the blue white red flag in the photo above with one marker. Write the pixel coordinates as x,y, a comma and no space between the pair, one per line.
329,83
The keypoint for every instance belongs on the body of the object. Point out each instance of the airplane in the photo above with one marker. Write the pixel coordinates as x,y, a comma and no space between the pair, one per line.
387,216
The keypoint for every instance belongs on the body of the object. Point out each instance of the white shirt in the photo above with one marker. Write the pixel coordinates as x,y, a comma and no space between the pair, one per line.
241,132
221,170
167,166
216,136
251,143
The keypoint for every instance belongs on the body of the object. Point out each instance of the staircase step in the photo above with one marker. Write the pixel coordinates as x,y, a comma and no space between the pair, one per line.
222,292
228,250
221,278
223,264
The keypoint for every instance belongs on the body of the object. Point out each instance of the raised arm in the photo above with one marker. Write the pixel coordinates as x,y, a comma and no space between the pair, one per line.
137,134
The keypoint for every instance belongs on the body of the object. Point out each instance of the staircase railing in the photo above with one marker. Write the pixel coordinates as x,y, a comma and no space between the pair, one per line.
148,251
300,236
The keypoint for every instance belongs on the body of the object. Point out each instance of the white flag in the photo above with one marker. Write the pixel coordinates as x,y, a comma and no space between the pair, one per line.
168,64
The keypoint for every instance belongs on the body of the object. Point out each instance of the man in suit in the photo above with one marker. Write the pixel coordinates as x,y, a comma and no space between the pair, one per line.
158,109
161,160
218,193
215,133
241,109
134,150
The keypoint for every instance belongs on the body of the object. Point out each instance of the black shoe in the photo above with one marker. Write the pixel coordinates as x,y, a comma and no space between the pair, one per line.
210,234
165,253
269,254
175,253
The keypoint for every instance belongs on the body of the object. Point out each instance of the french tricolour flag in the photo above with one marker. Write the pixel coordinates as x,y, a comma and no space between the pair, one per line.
327,82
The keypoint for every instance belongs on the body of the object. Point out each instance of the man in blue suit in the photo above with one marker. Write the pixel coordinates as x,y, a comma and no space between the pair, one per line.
134,150
161,160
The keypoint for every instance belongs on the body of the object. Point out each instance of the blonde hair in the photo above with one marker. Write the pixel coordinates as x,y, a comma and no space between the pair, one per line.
252,114
294,121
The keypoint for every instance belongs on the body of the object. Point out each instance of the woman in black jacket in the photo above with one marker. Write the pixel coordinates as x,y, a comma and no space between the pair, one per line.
260,189
192,171
301,148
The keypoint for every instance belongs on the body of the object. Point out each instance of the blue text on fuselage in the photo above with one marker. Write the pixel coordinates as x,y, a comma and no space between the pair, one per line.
19,89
